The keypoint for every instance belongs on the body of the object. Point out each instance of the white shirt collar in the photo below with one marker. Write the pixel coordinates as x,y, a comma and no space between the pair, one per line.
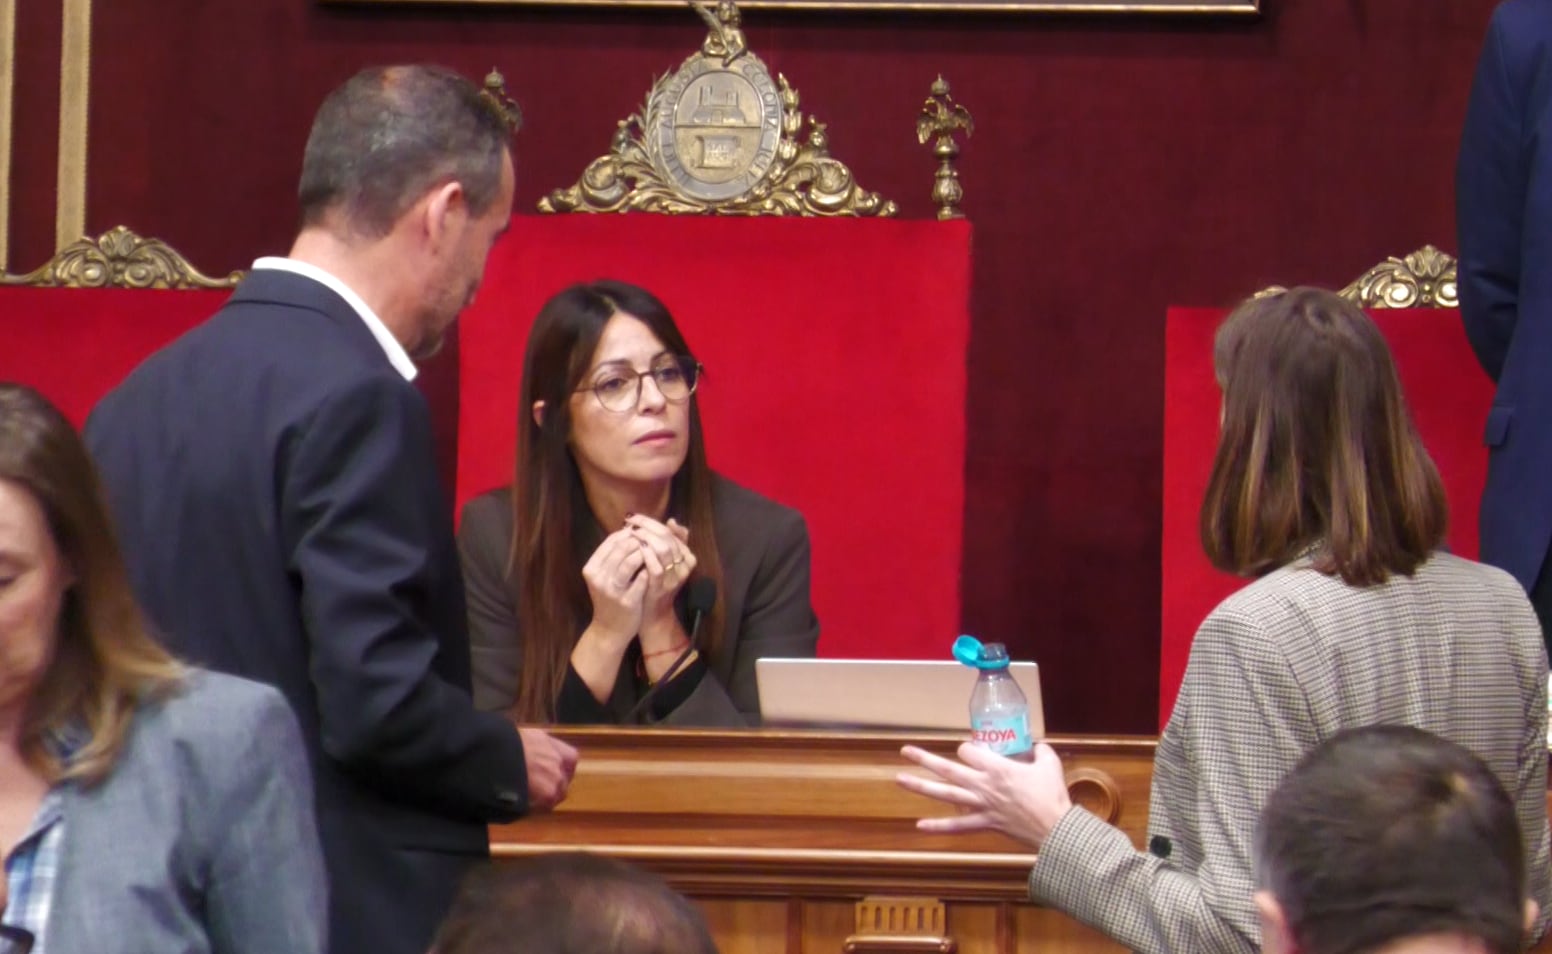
397,356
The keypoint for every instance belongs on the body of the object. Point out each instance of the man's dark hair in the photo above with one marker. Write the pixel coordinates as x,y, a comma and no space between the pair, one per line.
391,133
1389,832
570,903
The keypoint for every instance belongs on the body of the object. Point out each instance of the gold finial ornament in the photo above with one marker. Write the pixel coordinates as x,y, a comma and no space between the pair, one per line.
719,137
940,119
496,91
119,259
725,39
1423,279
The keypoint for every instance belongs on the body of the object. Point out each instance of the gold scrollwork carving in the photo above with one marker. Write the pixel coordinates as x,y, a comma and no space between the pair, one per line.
718,137
119,259
940,119
1096,790
1423,279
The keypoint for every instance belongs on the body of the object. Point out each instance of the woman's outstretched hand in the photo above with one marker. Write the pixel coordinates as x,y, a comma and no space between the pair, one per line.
1023,800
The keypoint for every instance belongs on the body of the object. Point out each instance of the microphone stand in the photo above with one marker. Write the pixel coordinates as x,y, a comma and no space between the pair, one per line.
703,605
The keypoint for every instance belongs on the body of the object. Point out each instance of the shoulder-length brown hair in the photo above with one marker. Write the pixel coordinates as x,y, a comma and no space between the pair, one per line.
550,511
105,662
1317,451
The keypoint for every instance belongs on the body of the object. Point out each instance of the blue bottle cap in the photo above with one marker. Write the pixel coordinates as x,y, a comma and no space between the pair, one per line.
978,655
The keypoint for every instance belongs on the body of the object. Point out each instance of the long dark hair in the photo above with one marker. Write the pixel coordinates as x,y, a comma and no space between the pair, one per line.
550,511
1317,448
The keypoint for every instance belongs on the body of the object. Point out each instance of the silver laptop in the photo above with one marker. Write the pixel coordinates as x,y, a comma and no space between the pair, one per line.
880,693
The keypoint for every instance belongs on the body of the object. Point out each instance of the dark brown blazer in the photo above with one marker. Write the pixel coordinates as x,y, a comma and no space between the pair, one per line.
765,590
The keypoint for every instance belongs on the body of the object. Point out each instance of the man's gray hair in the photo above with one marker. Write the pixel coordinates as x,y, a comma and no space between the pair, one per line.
390,134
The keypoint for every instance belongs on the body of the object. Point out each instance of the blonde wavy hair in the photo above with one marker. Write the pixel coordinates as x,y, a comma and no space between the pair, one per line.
105,662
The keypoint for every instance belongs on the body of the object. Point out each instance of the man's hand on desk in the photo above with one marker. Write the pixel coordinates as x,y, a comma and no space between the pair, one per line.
551,763
1023,800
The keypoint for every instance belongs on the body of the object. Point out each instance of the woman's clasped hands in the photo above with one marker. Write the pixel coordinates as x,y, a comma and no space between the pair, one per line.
633,578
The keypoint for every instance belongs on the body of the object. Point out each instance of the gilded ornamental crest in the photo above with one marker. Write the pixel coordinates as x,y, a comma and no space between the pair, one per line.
719,135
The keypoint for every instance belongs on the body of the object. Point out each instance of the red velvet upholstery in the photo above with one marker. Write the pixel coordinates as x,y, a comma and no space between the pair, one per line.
835,383
74,345
1445,388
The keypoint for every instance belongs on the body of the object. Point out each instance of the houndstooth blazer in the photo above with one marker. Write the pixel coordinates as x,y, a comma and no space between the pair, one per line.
1278,667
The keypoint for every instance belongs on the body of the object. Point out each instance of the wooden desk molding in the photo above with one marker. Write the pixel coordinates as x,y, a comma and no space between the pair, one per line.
799,842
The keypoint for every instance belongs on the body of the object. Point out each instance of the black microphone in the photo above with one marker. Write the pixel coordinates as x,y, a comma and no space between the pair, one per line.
699,597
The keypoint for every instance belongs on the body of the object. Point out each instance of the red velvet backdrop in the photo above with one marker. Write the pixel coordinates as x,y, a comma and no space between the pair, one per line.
1448,396
1118,165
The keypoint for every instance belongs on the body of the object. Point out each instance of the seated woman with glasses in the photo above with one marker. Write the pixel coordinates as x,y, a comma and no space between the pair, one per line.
619,580
145,805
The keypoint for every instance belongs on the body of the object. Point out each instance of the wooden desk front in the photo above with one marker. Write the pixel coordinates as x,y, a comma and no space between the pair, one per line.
802,843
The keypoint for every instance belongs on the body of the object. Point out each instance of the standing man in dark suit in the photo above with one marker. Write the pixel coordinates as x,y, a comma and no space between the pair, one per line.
273,475
1503,196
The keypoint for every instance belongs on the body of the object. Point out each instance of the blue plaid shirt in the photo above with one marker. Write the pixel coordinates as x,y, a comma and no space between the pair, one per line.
30,871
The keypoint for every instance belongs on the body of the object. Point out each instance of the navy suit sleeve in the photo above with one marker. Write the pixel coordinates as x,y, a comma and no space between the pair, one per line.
361,532
1490,193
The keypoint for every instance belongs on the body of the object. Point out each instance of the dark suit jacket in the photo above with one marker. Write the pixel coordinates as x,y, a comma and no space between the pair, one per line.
1504,215
274,484
765,574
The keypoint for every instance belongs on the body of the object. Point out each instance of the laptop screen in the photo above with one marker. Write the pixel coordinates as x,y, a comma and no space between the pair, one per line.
880,693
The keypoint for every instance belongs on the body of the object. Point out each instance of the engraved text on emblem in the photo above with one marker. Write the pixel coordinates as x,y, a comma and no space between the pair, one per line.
718,128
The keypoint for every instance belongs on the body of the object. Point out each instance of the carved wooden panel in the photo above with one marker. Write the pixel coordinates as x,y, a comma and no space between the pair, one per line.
903,925
785,838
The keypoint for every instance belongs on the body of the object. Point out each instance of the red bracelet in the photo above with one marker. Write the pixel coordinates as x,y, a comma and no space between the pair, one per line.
661,652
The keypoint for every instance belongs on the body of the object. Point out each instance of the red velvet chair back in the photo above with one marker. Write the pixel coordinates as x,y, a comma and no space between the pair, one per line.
1448,395
76,344
835,383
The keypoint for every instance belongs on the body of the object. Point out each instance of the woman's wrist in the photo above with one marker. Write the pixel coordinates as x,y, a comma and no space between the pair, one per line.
657,669
662,633
661,648
596,658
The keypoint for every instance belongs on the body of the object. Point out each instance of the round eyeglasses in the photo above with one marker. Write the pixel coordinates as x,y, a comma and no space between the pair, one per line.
618,386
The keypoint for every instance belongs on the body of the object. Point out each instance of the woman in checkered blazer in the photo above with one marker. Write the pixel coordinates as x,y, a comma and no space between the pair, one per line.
1322,493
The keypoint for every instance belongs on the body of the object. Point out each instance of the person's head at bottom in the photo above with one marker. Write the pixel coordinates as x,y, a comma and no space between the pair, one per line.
570,903
1390,839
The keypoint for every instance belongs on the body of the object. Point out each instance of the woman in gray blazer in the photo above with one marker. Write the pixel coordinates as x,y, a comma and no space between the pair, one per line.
144,805
619,579
1322,493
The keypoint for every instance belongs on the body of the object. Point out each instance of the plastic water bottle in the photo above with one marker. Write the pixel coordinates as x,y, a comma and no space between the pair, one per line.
999,712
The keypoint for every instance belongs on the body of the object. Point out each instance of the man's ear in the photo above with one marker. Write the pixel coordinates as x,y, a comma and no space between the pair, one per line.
442,204
1275,938
538,413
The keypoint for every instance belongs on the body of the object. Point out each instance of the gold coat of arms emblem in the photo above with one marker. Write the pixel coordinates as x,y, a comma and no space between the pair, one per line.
715,125
719,136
